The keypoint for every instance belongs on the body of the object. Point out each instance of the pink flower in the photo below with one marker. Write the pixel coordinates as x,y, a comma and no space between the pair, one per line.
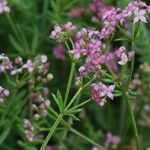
100,91
19,60
3,93
124,59
112,141
3,6
140,16
29,66
109,91
60,31
5,63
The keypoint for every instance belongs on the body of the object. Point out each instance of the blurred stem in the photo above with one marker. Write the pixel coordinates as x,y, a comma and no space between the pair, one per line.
134,126
132,118
67,125
71,72
86,138
45,8
69,82
78,93
13,27
9,105
52,130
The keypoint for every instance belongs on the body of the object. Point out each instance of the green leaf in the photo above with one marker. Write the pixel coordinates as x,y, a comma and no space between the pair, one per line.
73,111
74,117
108,80
59,101
5,132
59,97
122,39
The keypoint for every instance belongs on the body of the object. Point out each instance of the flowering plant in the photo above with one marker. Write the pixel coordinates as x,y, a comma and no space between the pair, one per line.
102,61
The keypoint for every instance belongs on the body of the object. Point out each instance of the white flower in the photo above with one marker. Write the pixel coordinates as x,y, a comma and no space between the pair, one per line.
44,58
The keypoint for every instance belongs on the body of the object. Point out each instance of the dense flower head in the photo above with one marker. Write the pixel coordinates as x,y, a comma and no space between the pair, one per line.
62,32
40,103
112,141
101,8
5,63
110,20
87,43
3,93
59,51
100,92
29,129
27,66
3,6
38,64
136,11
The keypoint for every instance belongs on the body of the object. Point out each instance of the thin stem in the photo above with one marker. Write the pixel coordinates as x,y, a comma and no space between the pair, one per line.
67,125
52,130
69,82
9,106
87,139
132,118
78,92
13,26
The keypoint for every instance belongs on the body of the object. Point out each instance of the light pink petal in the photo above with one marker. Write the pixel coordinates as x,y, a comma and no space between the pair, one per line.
111,87
143,19
136,19
110,95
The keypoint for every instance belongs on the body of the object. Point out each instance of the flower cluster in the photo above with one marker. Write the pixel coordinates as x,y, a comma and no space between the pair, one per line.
134,12
29,129
27,66
100,91
3,6
39,65
101,8
112,141
110,20
3,93
5,63
39,104
62,32
88,45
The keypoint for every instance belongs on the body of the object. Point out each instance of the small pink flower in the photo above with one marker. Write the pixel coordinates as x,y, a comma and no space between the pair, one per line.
112,141
3,6
140,16
109,91
100,91
124,59
29,66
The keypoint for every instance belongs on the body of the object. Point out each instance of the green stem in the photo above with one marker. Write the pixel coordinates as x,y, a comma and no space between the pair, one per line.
69,82
13,26
133,124
9,106
67,125
52,130
132,118
78,92
87,139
